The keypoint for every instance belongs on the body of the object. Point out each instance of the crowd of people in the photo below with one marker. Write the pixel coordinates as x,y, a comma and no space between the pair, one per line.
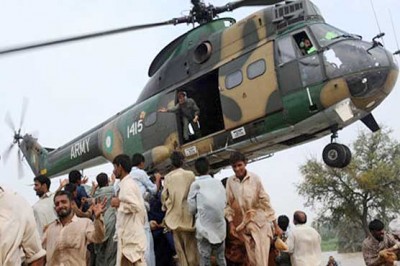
181,219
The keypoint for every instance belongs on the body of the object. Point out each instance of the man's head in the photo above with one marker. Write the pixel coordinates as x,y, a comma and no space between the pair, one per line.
299,217
181,97
72,189
75,177
62,203
177,159
122,166
283,222
102,179
138,160
307,43
376,228
238,162
41,185
202,166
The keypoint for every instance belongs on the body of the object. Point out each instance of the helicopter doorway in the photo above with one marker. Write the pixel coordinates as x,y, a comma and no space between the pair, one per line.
205,93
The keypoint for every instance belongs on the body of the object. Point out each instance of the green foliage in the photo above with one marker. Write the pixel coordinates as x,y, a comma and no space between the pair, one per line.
368,188
329,245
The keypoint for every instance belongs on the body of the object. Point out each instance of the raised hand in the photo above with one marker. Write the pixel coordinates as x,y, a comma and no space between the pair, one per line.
99,207
84,180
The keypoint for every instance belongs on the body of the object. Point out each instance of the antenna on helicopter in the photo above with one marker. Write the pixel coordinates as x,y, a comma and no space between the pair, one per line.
377,23
200,13
395,35
16,138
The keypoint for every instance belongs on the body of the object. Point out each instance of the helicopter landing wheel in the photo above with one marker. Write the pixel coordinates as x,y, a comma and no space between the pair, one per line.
336,155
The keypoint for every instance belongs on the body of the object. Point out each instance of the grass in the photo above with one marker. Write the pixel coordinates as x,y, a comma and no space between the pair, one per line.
329,245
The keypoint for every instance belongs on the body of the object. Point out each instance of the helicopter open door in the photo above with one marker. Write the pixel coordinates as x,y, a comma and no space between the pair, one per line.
204,91
248,87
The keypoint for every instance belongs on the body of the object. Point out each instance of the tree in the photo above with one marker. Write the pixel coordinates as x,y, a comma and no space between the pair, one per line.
368,188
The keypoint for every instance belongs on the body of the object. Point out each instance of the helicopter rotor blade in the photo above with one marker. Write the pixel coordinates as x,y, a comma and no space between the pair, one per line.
23,113
83,37
243,3
9,122
7,152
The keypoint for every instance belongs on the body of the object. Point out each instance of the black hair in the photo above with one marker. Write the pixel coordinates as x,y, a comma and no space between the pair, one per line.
177,159
283,222
74,176
202,165
376,225
102,179
42,179
137,159
124,161
70,187
181,93
237,157
61,193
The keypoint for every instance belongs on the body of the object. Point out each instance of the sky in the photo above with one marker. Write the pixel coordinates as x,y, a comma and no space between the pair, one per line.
72,88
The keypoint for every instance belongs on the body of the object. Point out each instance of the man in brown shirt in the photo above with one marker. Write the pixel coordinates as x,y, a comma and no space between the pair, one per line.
65,239
379,247
246,189
178,218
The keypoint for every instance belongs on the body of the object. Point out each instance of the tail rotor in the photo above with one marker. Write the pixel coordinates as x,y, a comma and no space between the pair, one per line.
16,138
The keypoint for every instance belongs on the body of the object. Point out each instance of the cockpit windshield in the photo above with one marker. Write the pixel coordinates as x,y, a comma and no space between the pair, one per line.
326,34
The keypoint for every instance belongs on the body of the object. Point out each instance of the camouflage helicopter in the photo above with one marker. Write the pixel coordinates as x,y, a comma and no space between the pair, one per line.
274,80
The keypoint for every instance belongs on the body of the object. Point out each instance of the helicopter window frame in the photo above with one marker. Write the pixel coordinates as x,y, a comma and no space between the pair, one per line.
233,79
285,49
150,119
256,69
326,34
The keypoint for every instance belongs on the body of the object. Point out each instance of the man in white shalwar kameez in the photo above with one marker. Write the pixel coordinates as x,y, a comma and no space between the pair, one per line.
131,213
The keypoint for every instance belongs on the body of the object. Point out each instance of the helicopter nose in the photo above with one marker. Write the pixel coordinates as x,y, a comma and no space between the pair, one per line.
369,71
367,83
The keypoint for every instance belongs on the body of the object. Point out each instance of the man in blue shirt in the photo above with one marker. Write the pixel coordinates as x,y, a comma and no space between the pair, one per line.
75,177
207,199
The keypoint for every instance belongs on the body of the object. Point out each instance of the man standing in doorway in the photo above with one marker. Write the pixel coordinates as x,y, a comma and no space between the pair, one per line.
188,112
255,229
43,209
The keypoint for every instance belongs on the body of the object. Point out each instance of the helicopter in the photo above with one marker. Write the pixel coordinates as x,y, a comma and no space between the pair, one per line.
259,92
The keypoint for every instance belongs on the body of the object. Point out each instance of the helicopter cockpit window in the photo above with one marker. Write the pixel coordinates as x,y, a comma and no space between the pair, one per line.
326,34
304,43
285,50
234,79
150,119
256,69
